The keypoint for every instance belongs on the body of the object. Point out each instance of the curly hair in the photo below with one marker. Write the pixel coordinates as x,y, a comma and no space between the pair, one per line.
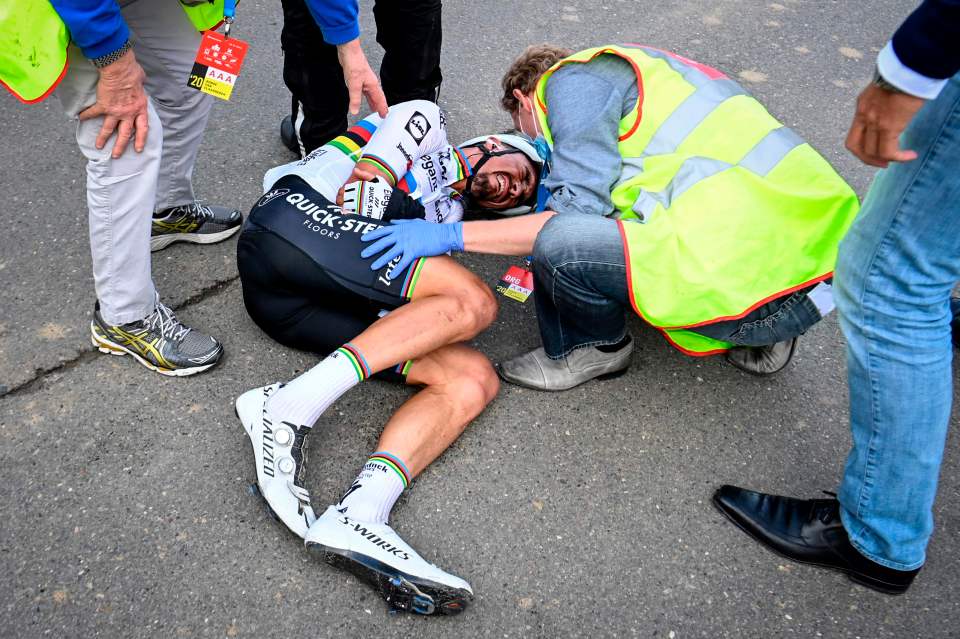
527,69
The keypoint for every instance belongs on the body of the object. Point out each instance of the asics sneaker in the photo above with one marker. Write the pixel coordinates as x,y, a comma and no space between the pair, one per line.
159,341
377,555
197,223
280,459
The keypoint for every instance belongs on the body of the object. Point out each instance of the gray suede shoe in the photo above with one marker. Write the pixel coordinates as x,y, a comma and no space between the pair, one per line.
763,360
536,370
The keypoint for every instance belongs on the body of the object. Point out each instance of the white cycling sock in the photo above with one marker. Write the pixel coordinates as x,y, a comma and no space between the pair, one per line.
302,401
376,489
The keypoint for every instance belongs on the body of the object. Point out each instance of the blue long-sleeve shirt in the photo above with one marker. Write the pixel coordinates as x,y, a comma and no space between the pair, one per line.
97,27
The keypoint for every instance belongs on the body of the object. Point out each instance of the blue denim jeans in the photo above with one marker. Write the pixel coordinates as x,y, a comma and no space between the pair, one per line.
894,275
580,276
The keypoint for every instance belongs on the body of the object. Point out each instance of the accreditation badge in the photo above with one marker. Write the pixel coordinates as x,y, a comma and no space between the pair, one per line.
516,283
217,65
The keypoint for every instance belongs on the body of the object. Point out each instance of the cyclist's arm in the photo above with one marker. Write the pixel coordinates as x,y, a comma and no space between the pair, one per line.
410,130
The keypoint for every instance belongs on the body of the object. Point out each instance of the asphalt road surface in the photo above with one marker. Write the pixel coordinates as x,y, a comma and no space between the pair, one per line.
124,500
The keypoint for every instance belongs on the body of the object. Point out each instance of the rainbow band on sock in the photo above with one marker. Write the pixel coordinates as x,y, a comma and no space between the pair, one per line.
393,462
403,368
380,165
356,358
413,275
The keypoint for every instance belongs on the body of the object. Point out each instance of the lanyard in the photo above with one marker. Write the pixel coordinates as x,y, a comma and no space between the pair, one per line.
229,12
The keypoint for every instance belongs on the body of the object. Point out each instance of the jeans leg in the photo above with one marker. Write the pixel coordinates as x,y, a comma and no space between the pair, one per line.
777,321
580,277
120,198
165,43
894,275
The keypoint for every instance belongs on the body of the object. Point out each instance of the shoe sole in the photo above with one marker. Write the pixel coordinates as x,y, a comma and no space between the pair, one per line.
160,242
400,590
601,378
112,348
863,580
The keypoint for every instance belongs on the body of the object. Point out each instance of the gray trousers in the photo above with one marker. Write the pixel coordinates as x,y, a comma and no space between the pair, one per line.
122,194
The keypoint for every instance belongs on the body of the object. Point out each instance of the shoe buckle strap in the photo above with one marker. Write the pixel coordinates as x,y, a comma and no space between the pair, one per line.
302,494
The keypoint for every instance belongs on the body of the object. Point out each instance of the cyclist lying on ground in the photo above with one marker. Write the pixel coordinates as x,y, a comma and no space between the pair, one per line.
305,285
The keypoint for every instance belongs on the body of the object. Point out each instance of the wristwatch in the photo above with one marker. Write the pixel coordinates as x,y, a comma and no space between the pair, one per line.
881,82
110,58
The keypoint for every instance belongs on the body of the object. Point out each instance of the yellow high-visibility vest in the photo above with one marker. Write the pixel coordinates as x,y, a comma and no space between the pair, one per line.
721,208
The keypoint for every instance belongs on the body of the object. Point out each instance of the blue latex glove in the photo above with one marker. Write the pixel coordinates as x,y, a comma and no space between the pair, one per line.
410,239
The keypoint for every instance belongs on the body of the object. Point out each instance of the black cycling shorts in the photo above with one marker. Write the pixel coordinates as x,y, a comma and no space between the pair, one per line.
304,282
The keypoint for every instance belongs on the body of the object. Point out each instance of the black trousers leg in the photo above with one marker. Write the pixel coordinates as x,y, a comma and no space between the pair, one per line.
313,75
410,33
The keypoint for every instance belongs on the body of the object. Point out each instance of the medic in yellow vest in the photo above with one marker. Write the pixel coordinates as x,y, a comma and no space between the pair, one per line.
672,192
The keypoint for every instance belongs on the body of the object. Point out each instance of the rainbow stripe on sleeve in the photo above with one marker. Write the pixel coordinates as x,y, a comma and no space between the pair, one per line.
380,165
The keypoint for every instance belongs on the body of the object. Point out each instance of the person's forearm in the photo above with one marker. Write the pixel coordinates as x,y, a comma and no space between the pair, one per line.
514,236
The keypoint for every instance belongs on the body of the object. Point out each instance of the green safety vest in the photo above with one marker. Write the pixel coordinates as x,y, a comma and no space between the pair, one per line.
33,44
721,208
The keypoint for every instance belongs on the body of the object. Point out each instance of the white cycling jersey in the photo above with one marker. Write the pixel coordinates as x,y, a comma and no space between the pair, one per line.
410,146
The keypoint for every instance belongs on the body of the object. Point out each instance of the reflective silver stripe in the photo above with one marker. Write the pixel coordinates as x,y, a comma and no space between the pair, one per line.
761,159
708,95
629,169
690,172
694,76
710,92
688,116
768,152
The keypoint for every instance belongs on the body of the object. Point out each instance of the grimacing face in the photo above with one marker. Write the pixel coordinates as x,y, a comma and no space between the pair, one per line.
504,181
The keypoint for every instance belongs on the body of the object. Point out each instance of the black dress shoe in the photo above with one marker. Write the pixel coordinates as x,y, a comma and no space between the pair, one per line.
763,360
808,531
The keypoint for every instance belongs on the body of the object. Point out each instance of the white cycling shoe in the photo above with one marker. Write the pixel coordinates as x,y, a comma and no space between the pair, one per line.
377,555
278,453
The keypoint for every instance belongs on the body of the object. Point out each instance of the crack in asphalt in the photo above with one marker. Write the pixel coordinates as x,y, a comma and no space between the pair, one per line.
89,353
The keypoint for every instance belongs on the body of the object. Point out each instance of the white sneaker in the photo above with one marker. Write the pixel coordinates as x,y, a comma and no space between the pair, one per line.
279,456
377,555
